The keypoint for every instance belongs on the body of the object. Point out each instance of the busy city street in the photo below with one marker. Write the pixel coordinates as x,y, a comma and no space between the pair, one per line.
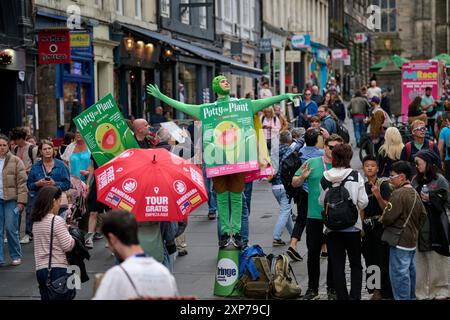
214,150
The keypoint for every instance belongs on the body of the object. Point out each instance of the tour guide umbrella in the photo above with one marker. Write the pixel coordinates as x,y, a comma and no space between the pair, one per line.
153,184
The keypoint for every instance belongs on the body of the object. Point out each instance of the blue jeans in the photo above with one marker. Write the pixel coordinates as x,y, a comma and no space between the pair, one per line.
359,127
212,203
285,218
248,195
402,271
244,222
41,276
9,220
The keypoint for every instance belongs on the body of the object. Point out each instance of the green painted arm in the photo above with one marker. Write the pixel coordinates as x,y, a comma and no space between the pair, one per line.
190,109
258,105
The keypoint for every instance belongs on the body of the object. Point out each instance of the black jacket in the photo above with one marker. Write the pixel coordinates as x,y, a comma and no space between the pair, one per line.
79,253
434,234
339,109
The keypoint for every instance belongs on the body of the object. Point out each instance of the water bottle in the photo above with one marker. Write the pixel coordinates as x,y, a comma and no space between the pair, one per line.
425,190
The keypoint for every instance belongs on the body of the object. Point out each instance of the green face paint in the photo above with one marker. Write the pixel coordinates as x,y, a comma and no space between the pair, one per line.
217,88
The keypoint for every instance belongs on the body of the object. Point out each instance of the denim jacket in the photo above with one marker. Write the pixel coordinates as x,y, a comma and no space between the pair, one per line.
60,174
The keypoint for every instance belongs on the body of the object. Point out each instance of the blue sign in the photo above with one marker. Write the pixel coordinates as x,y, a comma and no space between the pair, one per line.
301,41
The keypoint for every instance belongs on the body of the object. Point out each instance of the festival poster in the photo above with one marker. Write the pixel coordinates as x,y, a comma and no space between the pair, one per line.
105,131
416,76
229,138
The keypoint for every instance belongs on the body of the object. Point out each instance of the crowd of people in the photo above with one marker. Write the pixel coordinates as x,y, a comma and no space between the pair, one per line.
396,206
53,188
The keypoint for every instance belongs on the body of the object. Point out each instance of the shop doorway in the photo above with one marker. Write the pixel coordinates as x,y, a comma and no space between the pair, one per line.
10,110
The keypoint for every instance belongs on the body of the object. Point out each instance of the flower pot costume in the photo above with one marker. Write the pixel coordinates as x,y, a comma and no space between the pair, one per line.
229,179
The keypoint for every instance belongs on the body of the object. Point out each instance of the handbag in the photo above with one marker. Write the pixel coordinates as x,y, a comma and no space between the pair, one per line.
57,289
391,234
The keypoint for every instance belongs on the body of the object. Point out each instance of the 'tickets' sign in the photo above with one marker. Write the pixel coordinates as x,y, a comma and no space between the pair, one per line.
54,47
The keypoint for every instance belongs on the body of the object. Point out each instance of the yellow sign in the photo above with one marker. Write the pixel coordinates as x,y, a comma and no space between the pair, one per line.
80,40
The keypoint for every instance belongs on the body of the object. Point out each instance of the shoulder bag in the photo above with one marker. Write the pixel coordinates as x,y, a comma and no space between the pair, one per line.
57,289
391,234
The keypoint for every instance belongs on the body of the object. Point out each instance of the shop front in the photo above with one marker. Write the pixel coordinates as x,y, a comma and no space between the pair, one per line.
64,90
182,70
319,65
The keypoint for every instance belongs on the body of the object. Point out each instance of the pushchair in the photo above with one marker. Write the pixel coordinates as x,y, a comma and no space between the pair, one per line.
76,197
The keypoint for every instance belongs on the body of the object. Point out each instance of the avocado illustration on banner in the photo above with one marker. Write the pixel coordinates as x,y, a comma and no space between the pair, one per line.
227,136
108,139
105,131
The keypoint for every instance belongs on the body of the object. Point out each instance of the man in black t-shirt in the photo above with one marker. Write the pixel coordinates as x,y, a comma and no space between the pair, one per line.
376,252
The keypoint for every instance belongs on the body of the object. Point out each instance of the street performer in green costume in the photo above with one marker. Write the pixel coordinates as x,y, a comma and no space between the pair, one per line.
228,117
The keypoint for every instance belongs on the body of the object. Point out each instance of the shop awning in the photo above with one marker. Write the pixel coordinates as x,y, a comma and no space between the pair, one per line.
398,61
235,67
443,56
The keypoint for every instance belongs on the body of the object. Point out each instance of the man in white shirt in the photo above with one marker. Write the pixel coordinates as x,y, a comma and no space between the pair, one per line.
373,90
138,276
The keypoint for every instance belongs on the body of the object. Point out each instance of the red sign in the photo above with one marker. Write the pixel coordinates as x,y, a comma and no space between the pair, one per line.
54,47
339,54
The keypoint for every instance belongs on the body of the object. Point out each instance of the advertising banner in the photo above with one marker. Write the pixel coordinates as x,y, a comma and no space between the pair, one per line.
229,139
105,131
416,76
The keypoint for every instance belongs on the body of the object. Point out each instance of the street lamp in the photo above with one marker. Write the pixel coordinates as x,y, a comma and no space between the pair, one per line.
129,43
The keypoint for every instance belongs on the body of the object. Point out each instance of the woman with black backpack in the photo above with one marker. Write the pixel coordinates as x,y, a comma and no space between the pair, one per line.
343,196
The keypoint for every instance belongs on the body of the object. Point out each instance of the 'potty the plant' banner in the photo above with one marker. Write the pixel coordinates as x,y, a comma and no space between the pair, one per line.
229,139
104,130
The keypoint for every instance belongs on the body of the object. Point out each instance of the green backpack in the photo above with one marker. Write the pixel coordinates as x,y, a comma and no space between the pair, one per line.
285,284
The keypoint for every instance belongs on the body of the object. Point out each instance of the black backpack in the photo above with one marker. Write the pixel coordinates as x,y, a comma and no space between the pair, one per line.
339,210
342,131
289,166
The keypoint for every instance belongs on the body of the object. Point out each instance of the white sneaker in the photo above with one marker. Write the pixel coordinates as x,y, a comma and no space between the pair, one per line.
16,262
89,243
26,239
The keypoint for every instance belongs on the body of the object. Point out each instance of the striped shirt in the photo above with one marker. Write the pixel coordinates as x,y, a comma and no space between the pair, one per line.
62,242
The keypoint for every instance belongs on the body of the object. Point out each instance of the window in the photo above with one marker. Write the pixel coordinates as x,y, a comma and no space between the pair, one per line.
245,13
388,14
165,8
99,4
202,16
227,10
119,7
138,9
185,16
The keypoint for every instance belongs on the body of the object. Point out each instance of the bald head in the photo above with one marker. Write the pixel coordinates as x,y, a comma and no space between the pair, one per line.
315,90
140,128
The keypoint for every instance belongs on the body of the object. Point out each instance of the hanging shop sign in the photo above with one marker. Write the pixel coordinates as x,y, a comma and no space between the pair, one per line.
301,41
360,37
54,47
339,54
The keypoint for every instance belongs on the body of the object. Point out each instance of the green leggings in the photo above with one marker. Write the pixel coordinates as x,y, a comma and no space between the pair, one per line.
223,209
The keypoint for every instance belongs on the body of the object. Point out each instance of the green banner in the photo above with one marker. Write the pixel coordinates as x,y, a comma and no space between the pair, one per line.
104,130
229,138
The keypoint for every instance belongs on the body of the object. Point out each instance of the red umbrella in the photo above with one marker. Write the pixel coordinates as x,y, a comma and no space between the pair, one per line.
154,184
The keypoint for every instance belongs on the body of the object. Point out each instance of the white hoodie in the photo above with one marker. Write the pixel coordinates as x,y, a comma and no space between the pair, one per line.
356,189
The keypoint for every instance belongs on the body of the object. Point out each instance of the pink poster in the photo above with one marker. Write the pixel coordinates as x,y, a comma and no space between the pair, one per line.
416,76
